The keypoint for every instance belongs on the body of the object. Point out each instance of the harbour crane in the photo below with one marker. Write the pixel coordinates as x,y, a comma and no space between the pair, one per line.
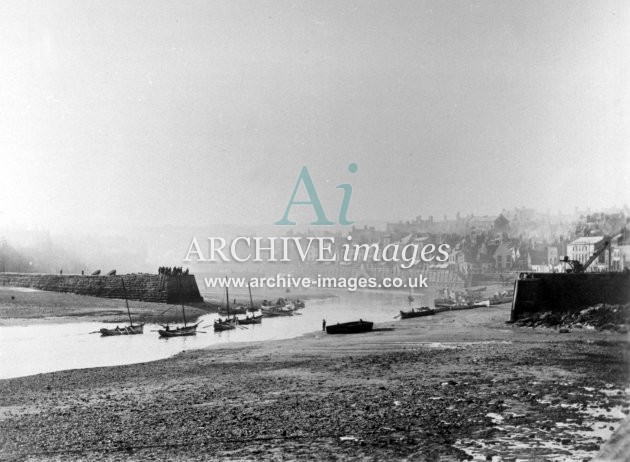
578,267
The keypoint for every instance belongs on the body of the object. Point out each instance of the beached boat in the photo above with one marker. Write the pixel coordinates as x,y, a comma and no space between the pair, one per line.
445,304
281,303
125,330
180,331
275,312
228,324
221,325
353,327
253,320
233,310
131,329
417,312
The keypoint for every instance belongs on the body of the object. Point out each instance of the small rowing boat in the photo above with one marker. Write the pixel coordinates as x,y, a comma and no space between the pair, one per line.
353,327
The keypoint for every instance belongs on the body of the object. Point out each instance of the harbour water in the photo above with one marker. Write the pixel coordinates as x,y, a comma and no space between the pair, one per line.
40,348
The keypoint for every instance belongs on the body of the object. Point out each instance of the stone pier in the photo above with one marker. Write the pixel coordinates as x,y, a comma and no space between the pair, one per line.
138,286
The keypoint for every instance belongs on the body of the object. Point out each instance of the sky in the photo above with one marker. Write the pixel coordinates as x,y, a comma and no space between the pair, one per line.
194,112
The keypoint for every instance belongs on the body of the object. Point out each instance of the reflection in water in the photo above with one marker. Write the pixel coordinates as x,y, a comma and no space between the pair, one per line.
27,350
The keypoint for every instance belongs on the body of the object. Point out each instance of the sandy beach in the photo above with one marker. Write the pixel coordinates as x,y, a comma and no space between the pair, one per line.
455,386
28,306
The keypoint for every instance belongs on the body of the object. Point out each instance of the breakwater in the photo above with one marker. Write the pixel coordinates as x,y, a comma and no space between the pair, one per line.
564,293
146,287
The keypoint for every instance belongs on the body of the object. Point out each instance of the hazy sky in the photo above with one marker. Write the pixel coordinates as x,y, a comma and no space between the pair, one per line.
149,112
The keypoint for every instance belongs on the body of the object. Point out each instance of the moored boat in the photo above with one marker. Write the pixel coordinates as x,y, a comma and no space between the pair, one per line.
221,325
133,329
353,327
181,331
228,324
253,320
274,312
417,312
233,310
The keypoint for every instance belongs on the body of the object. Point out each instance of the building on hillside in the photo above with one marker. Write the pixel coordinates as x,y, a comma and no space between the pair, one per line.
504,256
501,224
582,248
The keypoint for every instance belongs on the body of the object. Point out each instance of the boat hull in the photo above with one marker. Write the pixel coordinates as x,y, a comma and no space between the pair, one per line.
276,313
254,320
221,326
127,330
354,327
424,311
179,332
232,311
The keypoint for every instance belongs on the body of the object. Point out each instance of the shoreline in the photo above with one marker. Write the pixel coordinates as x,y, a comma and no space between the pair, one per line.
19,306
461,385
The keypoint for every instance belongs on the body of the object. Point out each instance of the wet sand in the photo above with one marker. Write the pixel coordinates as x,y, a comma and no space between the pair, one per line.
26,306
455,386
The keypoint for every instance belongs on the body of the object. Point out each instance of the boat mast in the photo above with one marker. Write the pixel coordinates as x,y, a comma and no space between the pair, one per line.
251,302
227,301
179,284
126,301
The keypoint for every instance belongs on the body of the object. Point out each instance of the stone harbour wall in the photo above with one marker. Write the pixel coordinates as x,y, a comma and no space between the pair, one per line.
568,292
138,286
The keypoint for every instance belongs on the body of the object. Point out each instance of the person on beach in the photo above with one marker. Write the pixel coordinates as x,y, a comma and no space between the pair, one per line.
323,324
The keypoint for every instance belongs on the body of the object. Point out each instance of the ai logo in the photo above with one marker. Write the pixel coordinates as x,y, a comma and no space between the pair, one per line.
305,179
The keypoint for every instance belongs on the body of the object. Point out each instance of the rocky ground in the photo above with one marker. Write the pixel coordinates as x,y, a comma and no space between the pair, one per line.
600,317
455,386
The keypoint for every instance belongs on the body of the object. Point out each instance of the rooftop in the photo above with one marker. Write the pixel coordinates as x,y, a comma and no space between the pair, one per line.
588,240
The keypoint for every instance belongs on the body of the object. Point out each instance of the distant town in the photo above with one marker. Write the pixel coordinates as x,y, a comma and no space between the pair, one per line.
512,241
520,239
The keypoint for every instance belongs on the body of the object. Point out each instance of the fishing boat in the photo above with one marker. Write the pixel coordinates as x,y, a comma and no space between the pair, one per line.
221,325
255,319
228,324
125,330
417,312
180,331
131,329
233,310
353,327
273,312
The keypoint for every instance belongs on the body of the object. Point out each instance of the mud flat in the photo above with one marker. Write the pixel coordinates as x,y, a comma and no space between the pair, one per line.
455,386
27,306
